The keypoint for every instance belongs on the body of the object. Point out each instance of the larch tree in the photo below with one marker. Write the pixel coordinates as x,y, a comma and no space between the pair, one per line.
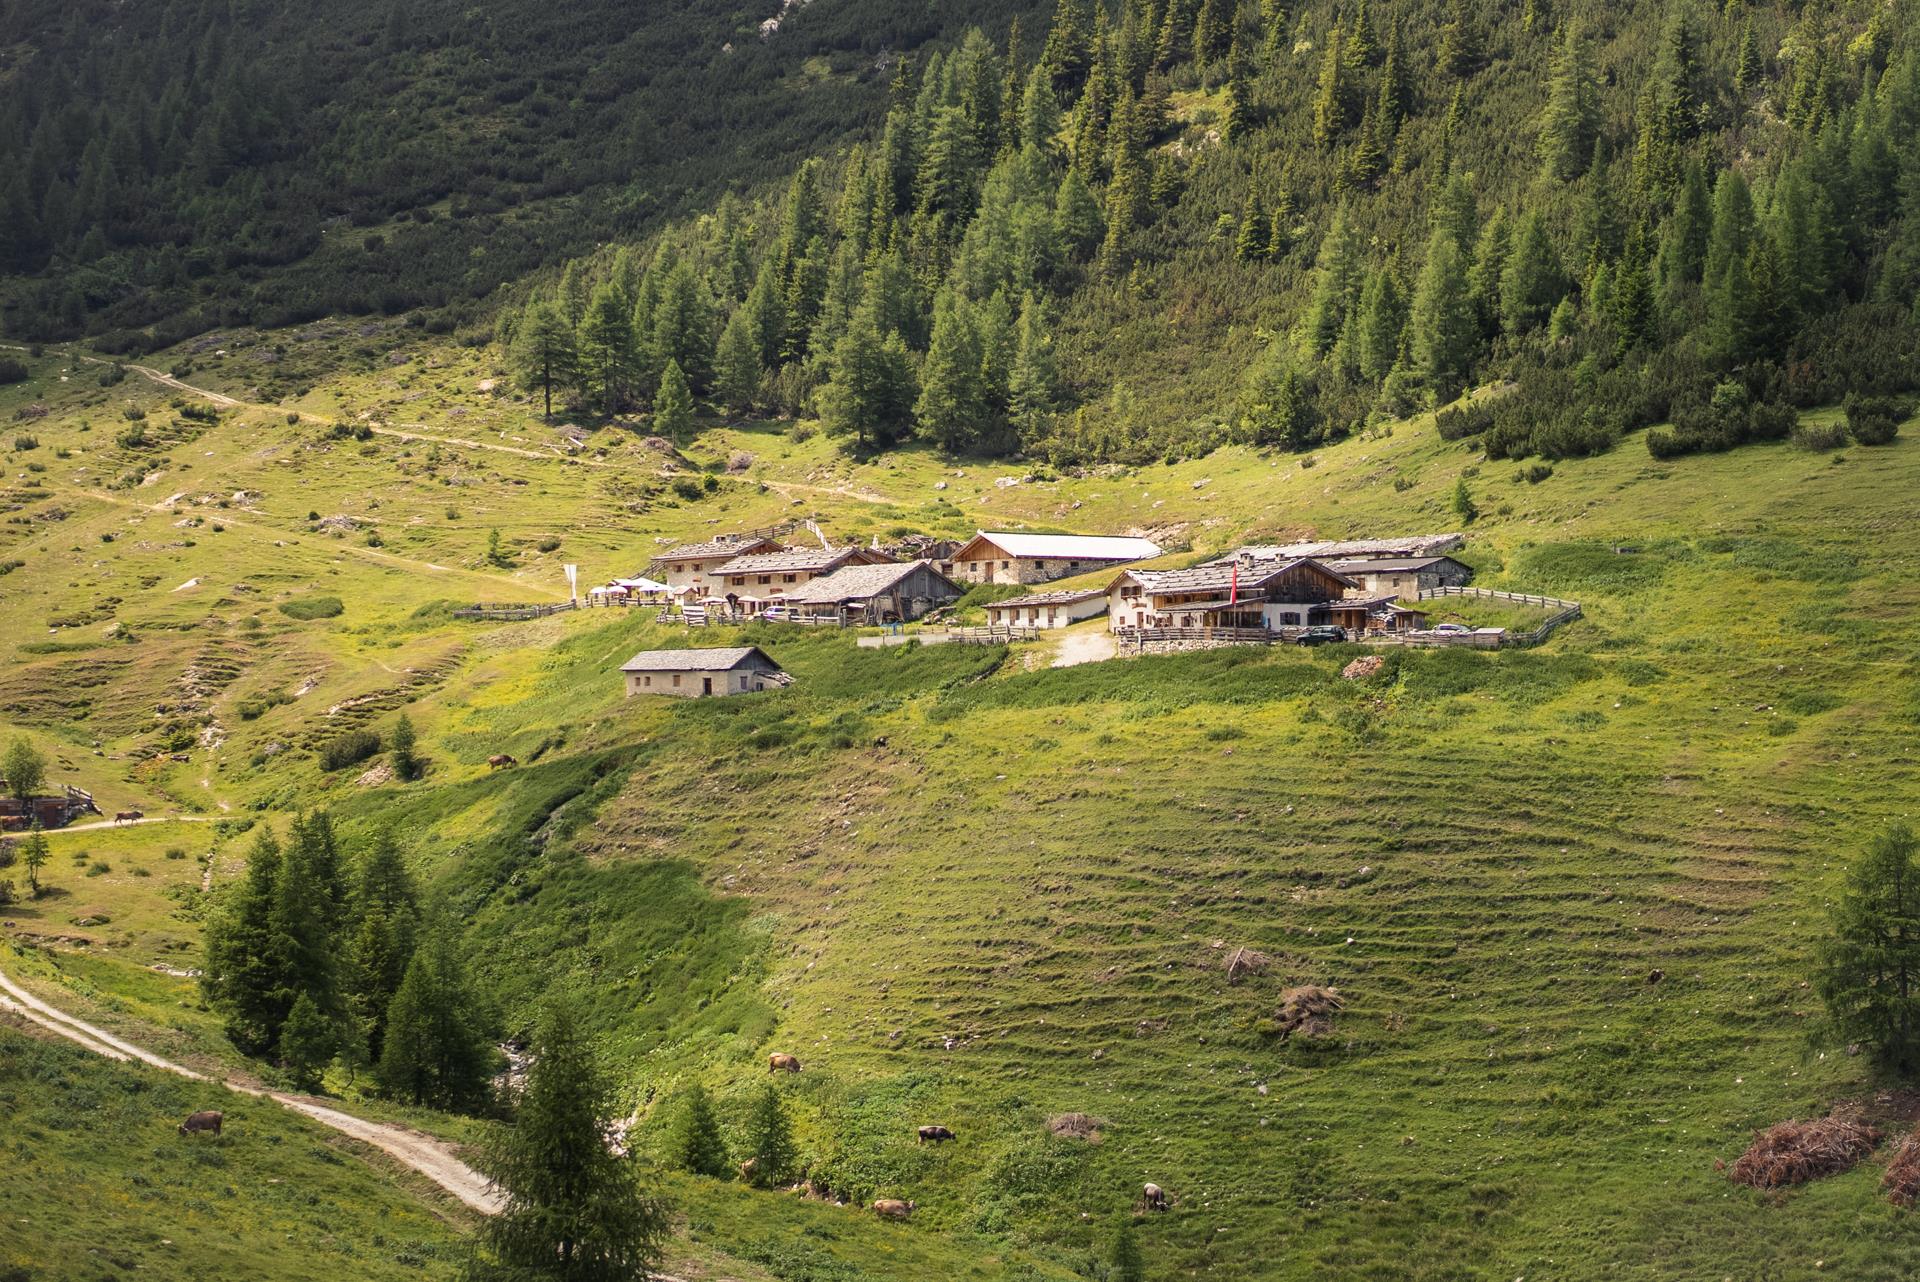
1445,333
436,1049
1869,964
544,356
737,370
696,1144
1572,113
769,1142
608,353
243,976
573,1210
673,403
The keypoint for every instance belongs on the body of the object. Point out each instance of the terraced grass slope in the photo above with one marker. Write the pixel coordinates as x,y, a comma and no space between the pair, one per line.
1569,894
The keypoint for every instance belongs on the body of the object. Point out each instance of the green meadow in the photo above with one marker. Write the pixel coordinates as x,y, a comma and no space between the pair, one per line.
1569,894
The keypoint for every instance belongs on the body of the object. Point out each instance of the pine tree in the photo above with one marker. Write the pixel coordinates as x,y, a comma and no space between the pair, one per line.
308,1041
1251,238
1442,320
1732,230
1460,51
1362,46
1747,64
1395,101
1040,114
1280,221
1069,48
673,404
870,393
574,289
1490,255
696,1144
1213,30
1632,302
951,410
573,1209
1237,120
1462,503
543,355
1869,966
1683,235
400,750
1273,24
435,1049
737,371
769,1143
1077,219
608,354
1278,402
1369,155
1568,124
767,316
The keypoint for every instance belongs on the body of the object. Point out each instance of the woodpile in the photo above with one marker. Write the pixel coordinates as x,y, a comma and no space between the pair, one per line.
1795,1152
1075,1126
1309,1010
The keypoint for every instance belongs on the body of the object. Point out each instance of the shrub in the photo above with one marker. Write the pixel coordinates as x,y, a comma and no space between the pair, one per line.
12,370
548,544
1819,437
349,749
1533,473
1875,420
26,441
112,374
132,438
312,607
1467,420
687,488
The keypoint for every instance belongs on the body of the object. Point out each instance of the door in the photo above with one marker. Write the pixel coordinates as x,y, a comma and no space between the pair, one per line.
706,685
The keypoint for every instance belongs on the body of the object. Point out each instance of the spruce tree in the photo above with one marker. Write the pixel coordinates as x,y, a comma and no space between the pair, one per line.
1869,965
435,1049
1034,385
243,978
673,404
1251,238
870,392
696,1144
1462,502
769,1138
380,945
1077,219
1124,1261
1330,99
1683,235
1567,125
737,371
951,410
400,750
1460,50
1442,319
608,354
1040,114
573,1209
1490,255
683,327
1531,283
308,1041
1337,280
1383,320
33,855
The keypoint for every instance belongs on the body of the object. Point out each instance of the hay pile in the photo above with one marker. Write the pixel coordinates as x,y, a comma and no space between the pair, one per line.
1795,1152
1309,1010
1363,667
1902,1180
1244,962
1075,1126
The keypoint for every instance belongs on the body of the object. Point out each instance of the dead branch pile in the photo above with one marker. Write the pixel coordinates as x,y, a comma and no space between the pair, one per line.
1244,962
1902,1180
1309,1010
1795,1152
1365,666
1075,1126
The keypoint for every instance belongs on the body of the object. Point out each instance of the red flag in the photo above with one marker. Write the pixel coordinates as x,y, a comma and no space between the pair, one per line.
1233,595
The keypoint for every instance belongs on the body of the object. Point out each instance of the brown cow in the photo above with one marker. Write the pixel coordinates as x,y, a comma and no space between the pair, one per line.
127,816
204,1120
499,759
892,1208
781,1062
1155,1197
937,1134
748,1167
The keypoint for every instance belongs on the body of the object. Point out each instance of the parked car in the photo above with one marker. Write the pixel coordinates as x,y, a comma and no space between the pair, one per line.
1451,629
1320,635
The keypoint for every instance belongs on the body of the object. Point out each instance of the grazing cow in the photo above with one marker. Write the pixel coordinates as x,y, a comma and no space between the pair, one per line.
499,759
781,1062
1155,1197
937,1134
205,1120
748,1167
892,1208
127,816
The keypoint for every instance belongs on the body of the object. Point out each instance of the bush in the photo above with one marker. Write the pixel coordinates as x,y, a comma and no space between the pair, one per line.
312,607
548,544
349,749
688,488
1458,424
1875,420
25,441
12,370
1819,437
1534,473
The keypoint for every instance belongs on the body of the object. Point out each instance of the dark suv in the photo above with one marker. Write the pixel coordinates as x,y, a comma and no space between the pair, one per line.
1320,635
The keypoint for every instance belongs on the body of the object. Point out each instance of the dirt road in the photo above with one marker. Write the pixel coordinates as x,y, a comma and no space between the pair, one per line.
431,1157
144,819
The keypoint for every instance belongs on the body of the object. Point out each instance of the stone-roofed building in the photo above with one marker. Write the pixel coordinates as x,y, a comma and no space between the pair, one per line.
1047,609
1006,556
700,672
691,565
872,594
751,583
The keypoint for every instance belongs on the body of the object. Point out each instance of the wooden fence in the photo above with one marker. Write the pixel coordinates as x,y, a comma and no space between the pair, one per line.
514,611
1141,638
1564,612
984,636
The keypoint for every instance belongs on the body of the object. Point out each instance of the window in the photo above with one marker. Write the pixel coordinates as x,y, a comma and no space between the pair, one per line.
1073,565
789,578
647,680
676,679
766,578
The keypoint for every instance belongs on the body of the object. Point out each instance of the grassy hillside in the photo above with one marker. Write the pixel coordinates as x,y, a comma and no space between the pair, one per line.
967,888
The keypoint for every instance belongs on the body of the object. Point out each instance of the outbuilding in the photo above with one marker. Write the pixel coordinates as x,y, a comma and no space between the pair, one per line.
1004,556
1048,609
870,594
701,672
692,565
1404,577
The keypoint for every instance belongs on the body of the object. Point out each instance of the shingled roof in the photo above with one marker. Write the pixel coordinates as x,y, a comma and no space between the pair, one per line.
1058,547
857,582
1219,576
722,659
1066,596
721,545
789,560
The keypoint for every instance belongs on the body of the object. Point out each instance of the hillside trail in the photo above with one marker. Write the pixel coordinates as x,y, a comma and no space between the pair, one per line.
144,819
430,1157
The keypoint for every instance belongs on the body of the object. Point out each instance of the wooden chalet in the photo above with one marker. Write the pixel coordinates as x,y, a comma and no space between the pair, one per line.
1227,594
873,594
751,583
